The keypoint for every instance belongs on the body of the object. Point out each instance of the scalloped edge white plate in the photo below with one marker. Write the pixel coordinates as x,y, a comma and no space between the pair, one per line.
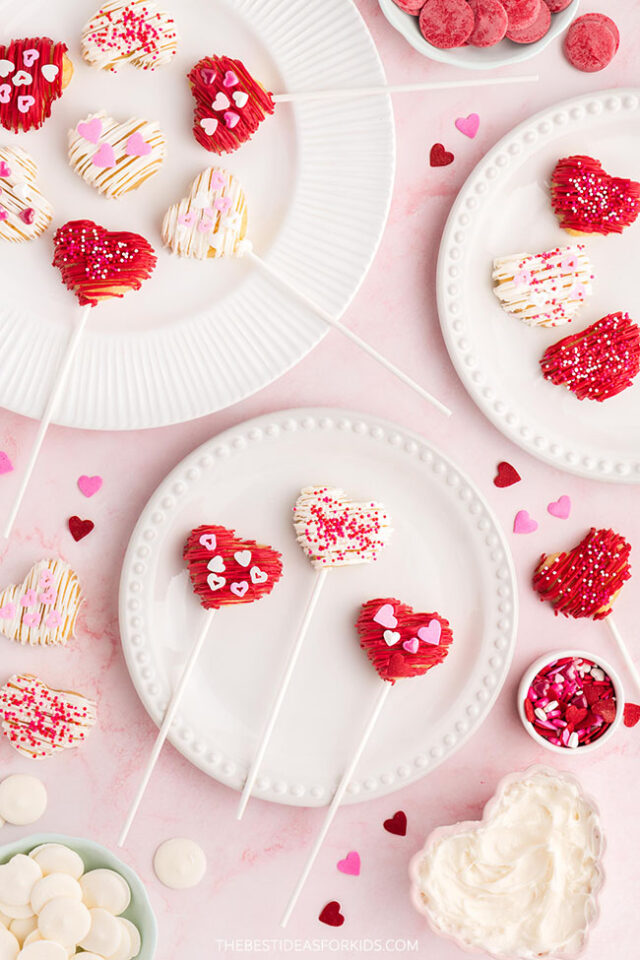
447,553
508,387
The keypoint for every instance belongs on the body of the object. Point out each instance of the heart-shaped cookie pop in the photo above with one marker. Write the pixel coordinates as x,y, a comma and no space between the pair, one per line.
115,156
335,531
24,212
400,642
99,264
586,199
40,721
230,104
544,289
33,74
211,221
43,608
225,569
129,31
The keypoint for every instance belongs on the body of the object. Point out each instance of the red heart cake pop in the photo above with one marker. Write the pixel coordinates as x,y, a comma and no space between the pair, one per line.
230,104
98,264
585,581
40,721
586,199
33,73
399,642
225,569
598,362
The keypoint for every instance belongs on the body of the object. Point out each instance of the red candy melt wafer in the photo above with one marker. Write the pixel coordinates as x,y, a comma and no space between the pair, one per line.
410,6
534,31
590,45
490,22
521,13
556,6
446,23
606,22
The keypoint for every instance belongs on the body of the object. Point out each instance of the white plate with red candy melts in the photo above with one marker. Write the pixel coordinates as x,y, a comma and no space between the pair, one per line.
198,336
480,34
504,209
446,554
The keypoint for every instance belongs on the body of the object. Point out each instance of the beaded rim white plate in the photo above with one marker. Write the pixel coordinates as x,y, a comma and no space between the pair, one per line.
200,336
504,207
445,535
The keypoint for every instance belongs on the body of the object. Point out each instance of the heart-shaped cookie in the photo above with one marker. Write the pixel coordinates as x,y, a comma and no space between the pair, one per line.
24,212
230,104
211,221
116,157
521,882
98,264
586,199
42,610
33,74
544,289
129,31
40,721
225,569
597,363
585,581
420,641
335,531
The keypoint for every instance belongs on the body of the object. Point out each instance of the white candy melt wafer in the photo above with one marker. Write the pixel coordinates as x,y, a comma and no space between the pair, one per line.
17,878
104,934
56,858
106,889
65,920
23,799
52,886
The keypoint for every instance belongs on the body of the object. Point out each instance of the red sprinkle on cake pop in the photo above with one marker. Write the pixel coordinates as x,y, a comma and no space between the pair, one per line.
585,581
230,104
335,531
400,642
598,362
586,199
225,569
33,74
98,264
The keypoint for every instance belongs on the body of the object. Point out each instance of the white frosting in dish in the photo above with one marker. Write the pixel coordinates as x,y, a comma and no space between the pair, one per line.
520,883
544,289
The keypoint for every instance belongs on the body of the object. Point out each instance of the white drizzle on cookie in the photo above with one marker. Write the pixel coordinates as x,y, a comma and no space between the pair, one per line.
545,289
211,221
116,157
24,212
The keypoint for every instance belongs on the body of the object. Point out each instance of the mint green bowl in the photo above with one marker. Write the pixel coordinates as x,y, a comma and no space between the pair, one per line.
95,855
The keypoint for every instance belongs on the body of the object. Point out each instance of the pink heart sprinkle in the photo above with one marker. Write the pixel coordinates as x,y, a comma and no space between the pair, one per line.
5,169
209,125
186,220
209,541
29,57
468,125
560,508
90,129
47,596
7,611
104,157
230,79
32,619
239,589
5,92
5,463
217,180
53,620
350,865
137,146
208,75
411,646
523,523
385,616
3,214
25,102
431,633
222,203
46,579
28,599
231,119
28,215
205,225
89,485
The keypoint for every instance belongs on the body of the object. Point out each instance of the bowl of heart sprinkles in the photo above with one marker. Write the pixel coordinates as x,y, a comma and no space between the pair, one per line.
570,700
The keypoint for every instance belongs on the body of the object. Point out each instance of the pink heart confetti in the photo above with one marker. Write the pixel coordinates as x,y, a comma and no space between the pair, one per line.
523,523
137,146
468,125
411,646
5,463
90,130
231,119
7,611
385,616
230,79
104,157
28,599
5,169
89,485
187,219
350,864
560,508
239,589
431,633
31,619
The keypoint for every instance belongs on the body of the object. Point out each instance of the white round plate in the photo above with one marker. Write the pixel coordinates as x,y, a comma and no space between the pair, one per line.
504,208
202,335
447,554
503,54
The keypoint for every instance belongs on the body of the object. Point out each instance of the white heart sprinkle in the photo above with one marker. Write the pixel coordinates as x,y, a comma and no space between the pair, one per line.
50,71
6,67
209,125
216,564
391,637
243,557
221,102
240,98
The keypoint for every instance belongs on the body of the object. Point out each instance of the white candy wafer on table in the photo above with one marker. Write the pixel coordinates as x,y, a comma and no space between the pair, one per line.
58,858
24,212
129,31
211,221
65,920
116,157
23,799
335,531
106,889
40,721
179,863
544,289
43,609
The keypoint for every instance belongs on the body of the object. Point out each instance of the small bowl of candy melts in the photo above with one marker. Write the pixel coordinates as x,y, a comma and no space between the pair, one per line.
570,700
64,896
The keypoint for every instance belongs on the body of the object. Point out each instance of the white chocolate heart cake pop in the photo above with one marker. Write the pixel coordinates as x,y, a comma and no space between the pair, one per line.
211,221
24,212
42,610
116,157
335,531
39,721
545,289
129,31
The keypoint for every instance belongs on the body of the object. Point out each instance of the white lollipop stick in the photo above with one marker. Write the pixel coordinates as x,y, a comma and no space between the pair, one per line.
624,650
166,725
337,799
322,313
49,413
284,684
399,88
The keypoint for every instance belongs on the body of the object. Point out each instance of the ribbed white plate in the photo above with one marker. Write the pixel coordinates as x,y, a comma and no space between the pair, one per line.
447,553
503,208
200,336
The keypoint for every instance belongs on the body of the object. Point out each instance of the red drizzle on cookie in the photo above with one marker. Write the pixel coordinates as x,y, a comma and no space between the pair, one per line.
586,199
400,642
31,76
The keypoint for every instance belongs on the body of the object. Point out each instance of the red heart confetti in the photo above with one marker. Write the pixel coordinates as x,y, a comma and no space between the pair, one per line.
506,475
32,78
631,714
79,529
98,264
439,157
397,824
330,914
225,569
400,642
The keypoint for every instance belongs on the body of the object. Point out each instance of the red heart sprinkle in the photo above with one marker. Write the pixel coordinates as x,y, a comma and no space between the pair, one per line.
528,710
330,914
506,475
80,528
397,824
439,157
575,715
605,709
631,714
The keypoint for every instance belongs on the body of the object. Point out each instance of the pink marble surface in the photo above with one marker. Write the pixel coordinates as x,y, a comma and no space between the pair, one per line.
252,865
